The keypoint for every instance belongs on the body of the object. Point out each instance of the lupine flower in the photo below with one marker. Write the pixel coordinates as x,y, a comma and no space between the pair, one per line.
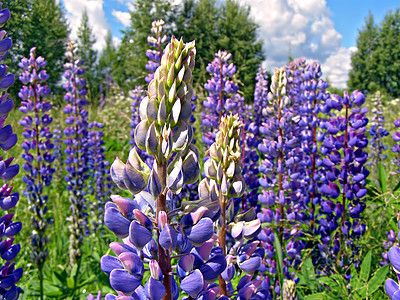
392,287
99,174
223,96
76,141
345,171
157,41
38,155
396,147
164,133
9,275
377,132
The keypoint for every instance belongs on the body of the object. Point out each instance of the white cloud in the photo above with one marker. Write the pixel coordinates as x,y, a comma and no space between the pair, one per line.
122,16
337,66
116,41
96,15
303,28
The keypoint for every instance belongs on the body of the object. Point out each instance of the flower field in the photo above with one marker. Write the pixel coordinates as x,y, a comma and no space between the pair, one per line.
187,189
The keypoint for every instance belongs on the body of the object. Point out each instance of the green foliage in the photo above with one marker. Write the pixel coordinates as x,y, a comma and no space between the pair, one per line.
88,55
362,285
228,27
129,69
40,24
376,63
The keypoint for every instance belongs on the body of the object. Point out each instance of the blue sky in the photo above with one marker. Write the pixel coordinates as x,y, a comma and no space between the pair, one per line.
322,30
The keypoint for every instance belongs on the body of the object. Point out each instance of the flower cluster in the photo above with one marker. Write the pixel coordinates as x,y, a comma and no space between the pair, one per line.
281,168
76,152
38,155
392,287
223,96
99,174
164,133
377,132
157,41
9,275
396,147
343,145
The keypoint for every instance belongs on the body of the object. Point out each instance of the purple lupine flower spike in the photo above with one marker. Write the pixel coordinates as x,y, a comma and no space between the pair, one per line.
76,155
10,275
38,154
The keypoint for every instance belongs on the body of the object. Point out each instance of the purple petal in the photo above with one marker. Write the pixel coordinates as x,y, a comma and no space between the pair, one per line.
193,283
139,236
154,289
109,263
123,281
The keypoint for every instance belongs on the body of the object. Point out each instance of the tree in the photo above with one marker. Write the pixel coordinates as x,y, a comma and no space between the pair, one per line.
129,69
40,24
229,28
376,63
88,55
361,74
237,33
198,20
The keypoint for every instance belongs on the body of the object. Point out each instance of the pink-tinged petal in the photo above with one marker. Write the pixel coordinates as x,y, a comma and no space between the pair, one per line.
193,283
132,263
252,229
237,230
155,270
162,220
143,219
125,205
185,265
198,214
119,248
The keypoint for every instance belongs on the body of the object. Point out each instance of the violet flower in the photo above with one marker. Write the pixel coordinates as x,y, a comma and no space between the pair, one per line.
76,155
10,275
38,155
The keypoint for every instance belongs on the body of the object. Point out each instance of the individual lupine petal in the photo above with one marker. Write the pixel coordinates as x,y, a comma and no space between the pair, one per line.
151,140
116,172
210,169
185,265
175,176
109,263
193,283
155,186
191,168
143,219
214,267
200,232
237,230
116,222
120,248
155,270
391,288
168,238
132,262
236,189
134,180
251,265
123,281
229,272
141,133
139,236
252,229
125,205
394,257
154,289
182,137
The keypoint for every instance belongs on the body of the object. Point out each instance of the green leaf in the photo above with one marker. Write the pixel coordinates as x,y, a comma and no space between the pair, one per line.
70,283
397,187
278,254
377,280
318,296
355,279
365,268
382,176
